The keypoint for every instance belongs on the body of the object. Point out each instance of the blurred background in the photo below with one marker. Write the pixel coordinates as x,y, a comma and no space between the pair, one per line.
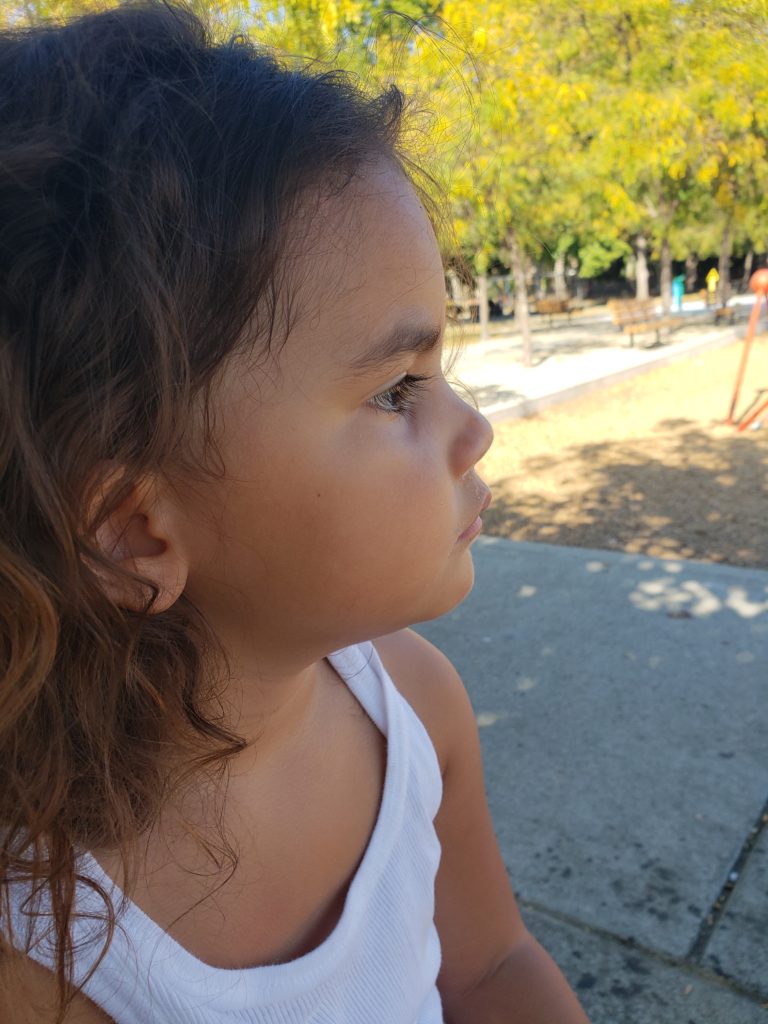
586,151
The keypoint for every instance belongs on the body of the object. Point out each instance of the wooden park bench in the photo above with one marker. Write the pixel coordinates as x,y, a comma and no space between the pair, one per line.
549,306
726,313
639,316
464,309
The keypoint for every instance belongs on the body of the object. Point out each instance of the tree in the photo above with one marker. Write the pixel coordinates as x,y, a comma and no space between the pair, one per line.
730,103
512,195
557,130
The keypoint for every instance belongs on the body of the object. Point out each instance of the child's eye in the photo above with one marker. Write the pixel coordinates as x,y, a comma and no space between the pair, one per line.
401,397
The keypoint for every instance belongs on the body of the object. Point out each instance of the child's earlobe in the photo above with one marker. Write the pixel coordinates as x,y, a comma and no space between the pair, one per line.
138,537
136,550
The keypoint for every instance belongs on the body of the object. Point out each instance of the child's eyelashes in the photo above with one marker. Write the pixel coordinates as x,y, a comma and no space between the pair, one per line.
401,397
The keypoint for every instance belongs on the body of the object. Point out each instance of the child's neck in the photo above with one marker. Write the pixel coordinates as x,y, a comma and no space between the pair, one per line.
271,684
274,716
273,711
268,709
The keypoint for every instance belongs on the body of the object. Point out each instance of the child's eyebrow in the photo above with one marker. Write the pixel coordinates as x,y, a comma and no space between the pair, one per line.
405,338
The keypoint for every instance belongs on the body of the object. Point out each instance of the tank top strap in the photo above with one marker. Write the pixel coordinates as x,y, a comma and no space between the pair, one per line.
361,668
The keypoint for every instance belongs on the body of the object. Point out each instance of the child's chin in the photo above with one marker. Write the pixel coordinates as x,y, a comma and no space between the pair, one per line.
452,596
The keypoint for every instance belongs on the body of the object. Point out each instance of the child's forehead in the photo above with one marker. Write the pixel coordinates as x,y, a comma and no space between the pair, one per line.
373,218
365,260
359,269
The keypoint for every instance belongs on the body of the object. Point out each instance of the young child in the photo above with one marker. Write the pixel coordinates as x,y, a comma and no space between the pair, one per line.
236,787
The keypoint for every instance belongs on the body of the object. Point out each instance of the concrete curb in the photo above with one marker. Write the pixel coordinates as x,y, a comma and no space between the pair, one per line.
525,407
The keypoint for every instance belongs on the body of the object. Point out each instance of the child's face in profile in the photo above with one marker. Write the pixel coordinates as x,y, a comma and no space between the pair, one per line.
340,515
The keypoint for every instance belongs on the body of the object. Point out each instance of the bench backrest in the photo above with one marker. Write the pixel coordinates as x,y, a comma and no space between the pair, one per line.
551,305
627,311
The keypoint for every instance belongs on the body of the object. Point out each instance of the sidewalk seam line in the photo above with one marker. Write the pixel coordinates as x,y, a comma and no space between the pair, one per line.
683,964
720,903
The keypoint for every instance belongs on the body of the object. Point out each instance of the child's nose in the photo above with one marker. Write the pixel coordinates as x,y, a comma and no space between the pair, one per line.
474,438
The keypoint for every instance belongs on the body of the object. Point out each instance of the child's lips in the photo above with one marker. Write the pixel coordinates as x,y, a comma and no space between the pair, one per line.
477,524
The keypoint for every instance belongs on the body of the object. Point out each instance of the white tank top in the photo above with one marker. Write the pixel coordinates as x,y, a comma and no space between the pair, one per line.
378,966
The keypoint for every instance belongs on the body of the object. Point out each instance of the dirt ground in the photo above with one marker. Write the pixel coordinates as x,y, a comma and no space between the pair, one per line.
646,466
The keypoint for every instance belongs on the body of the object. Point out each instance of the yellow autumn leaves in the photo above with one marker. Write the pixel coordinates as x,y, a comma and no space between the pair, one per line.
575,125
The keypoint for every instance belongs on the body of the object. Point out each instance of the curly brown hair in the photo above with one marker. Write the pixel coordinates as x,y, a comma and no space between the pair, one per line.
147,172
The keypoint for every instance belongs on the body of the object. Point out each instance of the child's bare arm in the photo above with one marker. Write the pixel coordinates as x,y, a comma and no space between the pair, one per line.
492,970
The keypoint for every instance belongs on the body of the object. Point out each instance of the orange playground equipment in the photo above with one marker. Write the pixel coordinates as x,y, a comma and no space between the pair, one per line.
759,285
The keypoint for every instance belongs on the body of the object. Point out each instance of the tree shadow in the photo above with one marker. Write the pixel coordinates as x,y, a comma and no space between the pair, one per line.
679,492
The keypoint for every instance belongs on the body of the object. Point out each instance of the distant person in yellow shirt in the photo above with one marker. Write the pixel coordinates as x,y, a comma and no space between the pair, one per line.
713,280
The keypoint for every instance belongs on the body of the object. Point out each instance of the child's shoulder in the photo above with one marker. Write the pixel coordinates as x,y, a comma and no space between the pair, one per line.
431,685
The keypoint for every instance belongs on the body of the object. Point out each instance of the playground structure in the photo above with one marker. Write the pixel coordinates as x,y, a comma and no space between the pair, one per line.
759,285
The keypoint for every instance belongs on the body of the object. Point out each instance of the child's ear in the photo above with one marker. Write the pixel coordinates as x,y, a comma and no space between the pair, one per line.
139,536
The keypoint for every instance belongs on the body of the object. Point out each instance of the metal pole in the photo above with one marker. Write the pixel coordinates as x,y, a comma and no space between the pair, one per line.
482,295
759,284
743,424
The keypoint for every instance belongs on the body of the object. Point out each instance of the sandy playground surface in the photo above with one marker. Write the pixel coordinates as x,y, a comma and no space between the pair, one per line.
646,466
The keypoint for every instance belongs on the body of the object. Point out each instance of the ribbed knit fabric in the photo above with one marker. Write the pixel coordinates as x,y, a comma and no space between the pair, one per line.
379,964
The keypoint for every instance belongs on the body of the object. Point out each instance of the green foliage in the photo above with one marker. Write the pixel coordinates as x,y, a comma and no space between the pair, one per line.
577,126
597,256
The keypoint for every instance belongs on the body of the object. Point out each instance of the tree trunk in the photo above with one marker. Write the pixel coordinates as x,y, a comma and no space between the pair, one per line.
749,260
538,281
724,265
666,275
482,295
691,271
454,285
561,285
641,267
522,320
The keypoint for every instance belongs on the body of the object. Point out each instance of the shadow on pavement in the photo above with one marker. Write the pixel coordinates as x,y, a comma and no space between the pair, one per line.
659,495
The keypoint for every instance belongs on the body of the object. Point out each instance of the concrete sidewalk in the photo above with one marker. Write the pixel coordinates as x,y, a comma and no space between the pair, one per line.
571,359
623,710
